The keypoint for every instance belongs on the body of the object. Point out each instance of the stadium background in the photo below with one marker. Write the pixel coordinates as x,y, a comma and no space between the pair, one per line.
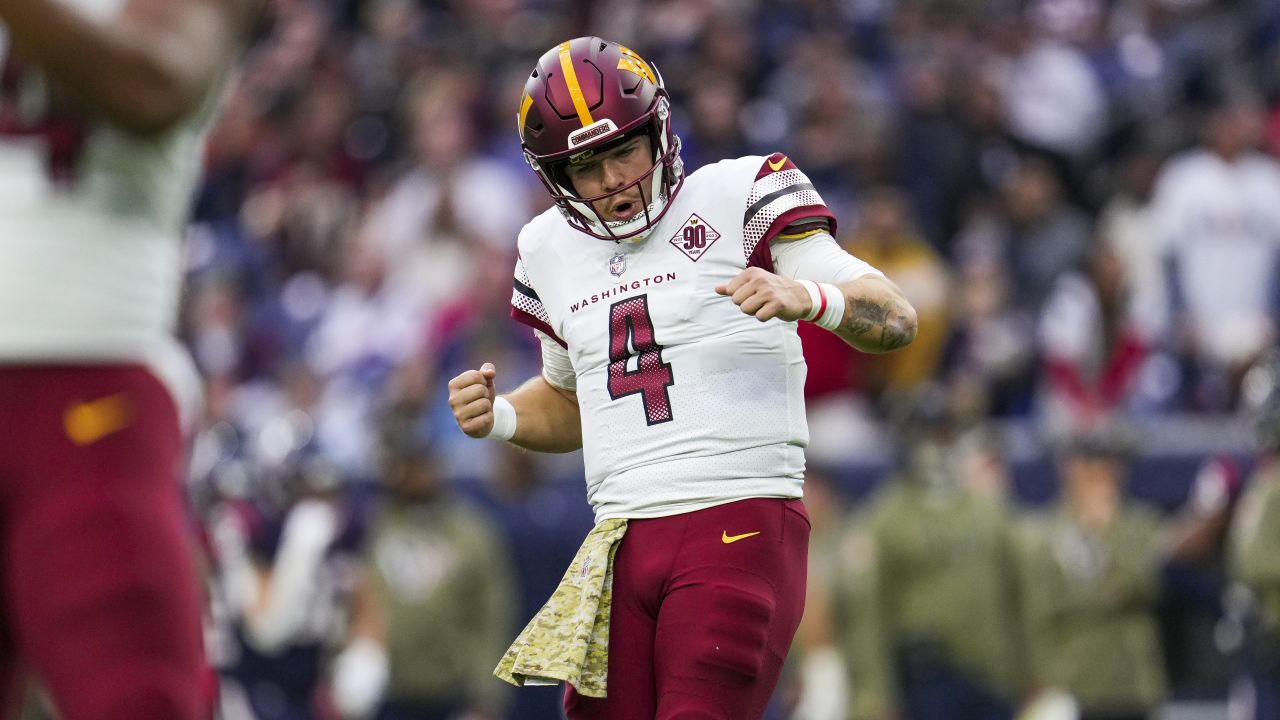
354,236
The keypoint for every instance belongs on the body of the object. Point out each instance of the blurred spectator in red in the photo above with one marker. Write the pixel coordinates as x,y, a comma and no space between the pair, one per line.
1127,229
1095,333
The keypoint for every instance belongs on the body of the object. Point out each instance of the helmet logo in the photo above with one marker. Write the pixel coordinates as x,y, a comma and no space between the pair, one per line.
634,63
591,132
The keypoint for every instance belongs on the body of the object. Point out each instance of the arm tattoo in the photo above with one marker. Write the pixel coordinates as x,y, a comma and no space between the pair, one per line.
868,319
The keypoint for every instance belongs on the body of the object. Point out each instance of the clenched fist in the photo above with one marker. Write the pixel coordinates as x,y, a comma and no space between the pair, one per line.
764,295
471,396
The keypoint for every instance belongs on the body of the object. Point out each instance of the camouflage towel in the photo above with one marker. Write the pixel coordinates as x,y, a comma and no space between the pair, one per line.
568,639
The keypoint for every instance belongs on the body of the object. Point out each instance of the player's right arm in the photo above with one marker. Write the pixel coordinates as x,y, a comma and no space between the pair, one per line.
143,70
547,418
544,410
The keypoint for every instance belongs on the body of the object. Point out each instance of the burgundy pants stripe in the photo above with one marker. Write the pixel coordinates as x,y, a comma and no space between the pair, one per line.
98,592
705,605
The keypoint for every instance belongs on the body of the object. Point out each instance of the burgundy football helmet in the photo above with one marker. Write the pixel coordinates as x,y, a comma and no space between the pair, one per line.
587,94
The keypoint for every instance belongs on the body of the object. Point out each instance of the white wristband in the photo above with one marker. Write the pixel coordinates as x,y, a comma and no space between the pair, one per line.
504,419
827,304
815,300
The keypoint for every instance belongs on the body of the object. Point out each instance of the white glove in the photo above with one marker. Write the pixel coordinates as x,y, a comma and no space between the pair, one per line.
1051,704
823,691
360,674
295,577
231,547
310,527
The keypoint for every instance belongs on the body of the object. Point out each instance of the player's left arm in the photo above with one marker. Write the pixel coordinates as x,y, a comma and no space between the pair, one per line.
796,270
815,279
877,317
144,69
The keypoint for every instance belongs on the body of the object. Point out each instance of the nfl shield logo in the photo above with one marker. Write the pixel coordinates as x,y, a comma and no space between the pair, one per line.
617,265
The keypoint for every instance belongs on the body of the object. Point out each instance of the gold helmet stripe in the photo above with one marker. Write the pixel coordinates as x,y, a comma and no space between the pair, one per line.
575,90
636,64
524,111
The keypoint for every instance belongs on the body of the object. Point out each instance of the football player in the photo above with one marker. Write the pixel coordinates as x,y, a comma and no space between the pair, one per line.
667,307
102,106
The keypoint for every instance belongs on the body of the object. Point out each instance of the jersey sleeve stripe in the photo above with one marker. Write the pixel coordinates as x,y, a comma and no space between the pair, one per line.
760,204
525,290
536,323
787,196
757,238
526,306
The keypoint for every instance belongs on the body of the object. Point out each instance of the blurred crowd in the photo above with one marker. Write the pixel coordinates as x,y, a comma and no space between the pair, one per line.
1080,197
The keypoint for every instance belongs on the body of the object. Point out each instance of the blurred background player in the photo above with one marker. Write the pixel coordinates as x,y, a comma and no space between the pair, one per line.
102,109
1255,546
286,566
1090,584
436,602
931,592
654,296
1217,220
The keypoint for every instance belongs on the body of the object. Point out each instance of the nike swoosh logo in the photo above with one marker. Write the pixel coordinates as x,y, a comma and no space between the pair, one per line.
88,422
776,166
726,538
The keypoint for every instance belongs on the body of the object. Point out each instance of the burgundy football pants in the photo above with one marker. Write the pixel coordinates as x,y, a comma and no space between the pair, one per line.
705,605
98,593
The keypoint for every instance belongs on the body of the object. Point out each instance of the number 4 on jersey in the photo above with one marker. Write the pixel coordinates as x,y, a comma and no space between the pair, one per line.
631,333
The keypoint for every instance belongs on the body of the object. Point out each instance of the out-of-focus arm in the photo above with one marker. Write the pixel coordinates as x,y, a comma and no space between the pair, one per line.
146,68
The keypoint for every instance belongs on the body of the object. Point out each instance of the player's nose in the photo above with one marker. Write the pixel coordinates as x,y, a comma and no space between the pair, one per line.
611,175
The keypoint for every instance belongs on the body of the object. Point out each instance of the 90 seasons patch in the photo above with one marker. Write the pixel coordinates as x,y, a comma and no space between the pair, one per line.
694,237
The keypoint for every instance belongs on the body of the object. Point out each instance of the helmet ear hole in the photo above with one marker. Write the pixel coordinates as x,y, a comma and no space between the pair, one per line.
560,175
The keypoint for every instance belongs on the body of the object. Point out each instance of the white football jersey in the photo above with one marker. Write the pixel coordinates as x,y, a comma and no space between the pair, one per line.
91,221
686,401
